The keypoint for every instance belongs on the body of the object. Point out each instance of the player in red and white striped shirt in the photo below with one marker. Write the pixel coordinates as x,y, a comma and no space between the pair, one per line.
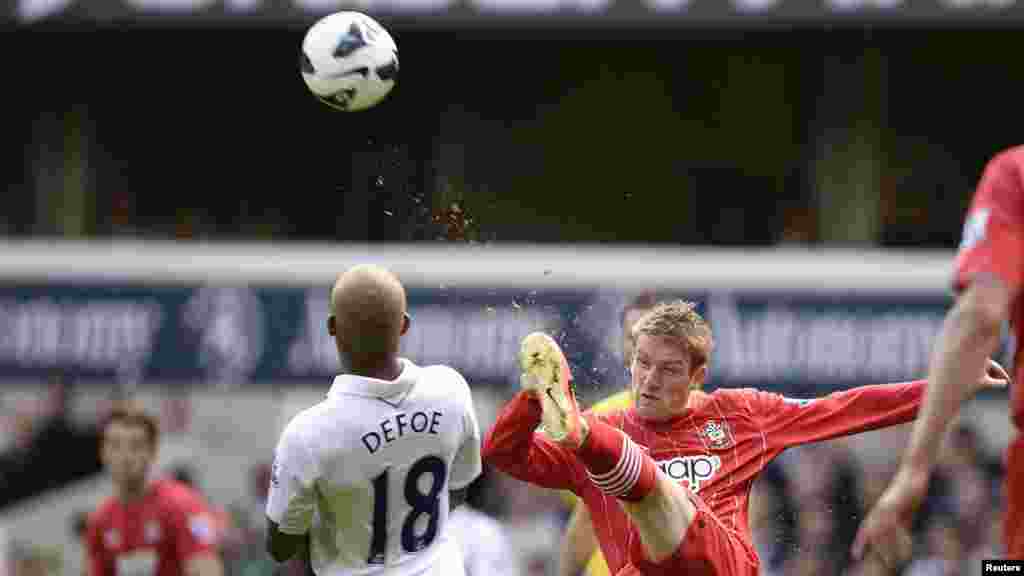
668,480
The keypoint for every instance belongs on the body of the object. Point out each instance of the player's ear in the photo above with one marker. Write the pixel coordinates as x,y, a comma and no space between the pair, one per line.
102,448
406,321
332,325
698,377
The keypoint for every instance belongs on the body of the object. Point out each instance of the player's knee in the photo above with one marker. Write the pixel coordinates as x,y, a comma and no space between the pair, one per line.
668,499
675,499
662,518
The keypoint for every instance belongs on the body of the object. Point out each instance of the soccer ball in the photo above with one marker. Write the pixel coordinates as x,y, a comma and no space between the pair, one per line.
349,61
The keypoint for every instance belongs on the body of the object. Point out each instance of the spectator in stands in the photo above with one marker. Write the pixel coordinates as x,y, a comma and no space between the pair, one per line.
944,551
15,460
990,544
62,450
825,480
813,562
771,519
966,449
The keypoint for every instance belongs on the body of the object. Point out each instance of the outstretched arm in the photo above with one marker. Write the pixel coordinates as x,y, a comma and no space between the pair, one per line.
969,335
789,422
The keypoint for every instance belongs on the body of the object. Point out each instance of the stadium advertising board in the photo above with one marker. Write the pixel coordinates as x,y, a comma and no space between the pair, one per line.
531,13
799,342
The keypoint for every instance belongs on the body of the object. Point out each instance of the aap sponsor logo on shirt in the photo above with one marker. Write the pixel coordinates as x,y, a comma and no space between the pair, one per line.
694,470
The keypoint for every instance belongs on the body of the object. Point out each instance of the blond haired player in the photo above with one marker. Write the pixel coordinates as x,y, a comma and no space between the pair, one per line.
579,546
667,481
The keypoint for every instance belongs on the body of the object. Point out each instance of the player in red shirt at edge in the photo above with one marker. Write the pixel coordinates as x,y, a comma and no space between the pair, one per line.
667,481
156,527
989,273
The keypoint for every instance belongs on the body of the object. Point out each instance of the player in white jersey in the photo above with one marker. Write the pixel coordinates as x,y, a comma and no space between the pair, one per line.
369,474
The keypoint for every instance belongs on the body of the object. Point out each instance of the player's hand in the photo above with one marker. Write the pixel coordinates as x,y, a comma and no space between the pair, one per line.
995,376
885,533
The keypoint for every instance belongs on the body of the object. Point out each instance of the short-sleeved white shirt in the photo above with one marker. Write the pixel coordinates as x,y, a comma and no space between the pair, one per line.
367,472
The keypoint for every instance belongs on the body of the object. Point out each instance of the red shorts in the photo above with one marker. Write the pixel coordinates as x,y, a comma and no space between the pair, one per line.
1013,524
708,549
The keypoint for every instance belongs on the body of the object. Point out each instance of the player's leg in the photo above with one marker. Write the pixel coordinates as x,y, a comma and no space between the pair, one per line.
1013,522
662,517
660,509
706,547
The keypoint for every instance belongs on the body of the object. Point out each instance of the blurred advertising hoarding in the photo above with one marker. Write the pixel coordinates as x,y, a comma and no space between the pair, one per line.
527,13
245,316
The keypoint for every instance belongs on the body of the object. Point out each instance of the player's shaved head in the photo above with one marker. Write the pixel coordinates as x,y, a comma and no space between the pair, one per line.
367,315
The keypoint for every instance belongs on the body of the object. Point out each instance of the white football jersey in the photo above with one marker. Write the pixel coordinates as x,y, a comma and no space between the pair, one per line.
485,545
367,473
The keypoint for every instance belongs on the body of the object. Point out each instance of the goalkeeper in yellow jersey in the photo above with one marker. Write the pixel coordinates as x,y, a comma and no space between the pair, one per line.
579,546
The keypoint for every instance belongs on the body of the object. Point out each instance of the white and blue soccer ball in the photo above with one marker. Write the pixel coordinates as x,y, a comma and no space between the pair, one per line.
349,61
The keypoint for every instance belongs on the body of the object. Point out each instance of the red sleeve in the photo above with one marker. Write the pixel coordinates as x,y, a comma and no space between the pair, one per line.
99,562
513,447
992,238
195,527
788,422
